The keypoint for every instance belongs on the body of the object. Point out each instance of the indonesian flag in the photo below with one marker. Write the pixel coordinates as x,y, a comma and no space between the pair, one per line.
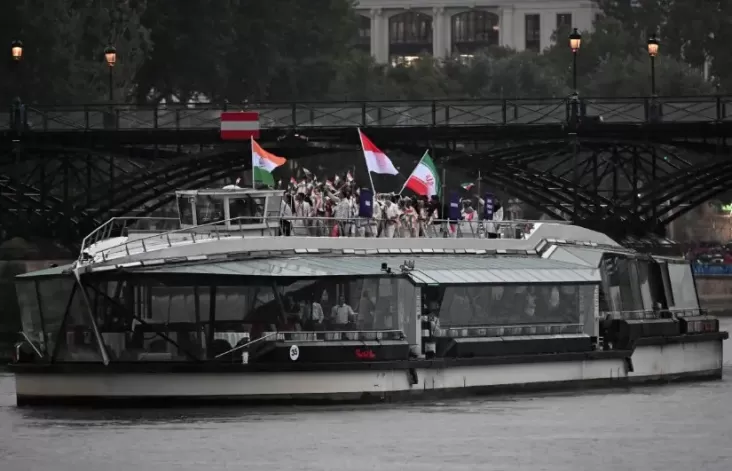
293,182
424,179
263,163
376,160
349,177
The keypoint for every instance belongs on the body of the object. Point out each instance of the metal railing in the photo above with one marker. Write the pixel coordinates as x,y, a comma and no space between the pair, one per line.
288,226
649,314
467,112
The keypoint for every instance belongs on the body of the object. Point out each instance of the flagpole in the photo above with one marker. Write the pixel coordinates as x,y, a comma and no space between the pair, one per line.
410,175
371,179
478,183
254,184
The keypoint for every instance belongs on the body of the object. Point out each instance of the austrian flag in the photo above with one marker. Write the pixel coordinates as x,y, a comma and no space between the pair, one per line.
376,160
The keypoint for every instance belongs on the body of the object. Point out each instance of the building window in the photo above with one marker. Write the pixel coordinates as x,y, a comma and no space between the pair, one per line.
533,32
410,34
564,21
364,33
473,30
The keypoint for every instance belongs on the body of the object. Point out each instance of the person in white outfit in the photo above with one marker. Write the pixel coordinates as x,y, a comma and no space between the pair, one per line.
391,213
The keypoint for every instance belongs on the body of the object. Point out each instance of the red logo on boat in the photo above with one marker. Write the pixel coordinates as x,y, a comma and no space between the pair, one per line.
365,354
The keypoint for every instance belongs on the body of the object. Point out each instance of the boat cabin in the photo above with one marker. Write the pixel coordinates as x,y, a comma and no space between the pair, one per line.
230,209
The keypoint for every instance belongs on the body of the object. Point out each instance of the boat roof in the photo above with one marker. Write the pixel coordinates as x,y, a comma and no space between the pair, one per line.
428,269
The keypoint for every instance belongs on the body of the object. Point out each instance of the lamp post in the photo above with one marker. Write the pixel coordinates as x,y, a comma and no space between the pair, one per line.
110,55
16,52
575,41
652,53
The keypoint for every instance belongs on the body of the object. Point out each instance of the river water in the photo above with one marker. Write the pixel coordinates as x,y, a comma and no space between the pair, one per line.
669,428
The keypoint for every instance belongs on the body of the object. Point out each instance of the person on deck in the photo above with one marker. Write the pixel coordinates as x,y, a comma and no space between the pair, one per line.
342,314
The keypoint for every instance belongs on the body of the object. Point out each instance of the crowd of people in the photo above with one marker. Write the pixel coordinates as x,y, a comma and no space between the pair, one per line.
710,253
340,207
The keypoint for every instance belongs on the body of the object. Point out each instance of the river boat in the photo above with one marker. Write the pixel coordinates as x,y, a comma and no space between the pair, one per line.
238,301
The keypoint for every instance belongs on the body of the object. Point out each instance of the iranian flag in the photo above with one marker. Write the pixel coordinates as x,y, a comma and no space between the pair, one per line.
424,179
263,163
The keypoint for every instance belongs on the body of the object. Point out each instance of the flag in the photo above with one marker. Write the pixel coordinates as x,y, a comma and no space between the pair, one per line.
376,160
263,163
467,186
349,177
293,182
424,179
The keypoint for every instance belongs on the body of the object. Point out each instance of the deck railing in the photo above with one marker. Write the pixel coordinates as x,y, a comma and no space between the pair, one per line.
144,240
650,314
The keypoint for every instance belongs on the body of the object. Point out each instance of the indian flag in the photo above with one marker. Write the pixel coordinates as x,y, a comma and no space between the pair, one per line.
263,163
424,180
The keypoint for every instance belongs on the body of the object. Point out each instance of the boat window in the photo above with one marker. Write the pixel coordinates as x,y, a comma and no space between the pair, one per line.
185,209
54,296
620,280
248,209
515,304
209,210
30,313
644,279
376,303
682,285
77,342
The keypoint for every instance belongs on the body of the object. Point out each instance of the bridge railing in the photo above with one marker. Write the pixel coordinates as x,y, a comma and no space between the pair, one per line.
102,245
477,112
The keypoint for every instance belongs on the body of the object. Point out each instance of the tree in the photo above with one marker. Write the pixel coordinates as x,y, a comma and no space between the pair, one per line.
283,51
191,43
64,44
691,31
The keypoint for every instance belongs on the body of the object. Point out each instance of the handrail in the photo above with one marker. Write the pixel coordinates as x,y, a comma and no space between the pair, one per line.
108,227
239,347
447,228
651,313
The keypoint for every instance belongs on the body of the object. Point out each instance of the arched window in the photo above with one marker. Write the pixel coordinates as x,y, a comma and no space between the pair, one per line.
410,34
364,32
473,30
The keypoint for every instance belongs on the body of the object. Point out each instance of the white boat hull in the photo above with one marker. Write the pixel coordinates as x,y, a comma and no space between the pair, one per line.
671,362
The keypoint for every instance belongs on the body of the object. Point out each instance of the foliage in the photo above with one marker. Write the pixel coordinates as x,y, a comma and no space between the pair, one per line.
249,50
64,44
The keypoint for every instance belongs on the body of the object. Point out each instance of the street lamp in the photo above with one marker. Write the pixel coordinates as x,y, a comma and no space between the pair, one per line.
652,53
110,55
16,50
575,40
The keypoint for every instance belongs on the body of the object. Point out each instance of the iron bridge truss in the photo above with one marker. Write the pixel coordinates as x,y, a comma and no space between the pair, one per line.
633,172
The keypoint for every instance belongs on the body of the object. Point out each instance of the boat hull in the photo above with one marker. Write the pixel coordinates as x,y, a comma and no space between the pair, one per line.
156,385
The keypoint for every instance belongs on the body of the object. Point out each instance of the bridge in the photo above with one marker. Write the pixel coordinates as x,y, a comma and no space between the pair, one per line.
630,165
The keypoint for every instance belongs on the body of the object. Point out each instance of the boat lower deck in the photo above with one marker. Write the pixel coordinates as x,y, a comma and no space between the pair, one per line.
684,357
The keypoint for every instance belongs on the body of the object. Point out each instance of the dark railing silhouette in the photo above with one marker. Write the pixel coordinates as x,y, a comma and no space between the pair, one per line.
454,113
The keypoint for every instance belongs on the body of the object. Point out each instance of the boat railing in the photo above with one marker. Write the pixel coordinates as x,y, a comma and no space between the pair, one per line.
299,227
118,226
508,330
650,314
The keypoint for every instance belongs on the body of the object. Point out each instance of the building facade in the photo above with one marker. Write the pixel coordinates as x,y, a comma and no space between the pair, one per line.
399,30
